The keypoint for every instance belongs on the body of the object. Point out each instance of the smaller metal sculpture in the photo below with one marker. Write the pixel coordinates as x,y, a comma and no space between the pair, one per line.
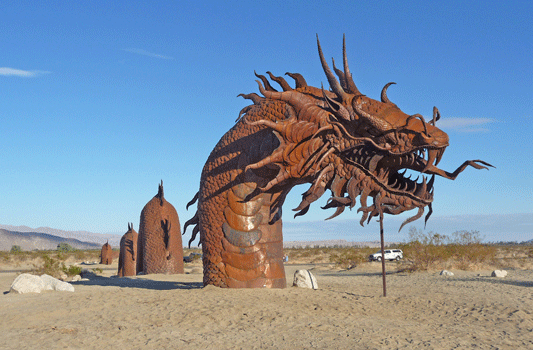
106,255
159,244
127,264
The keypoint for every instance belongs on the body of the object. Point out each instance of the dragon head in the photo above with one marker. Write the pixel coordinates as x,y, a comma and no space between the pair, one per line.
353,145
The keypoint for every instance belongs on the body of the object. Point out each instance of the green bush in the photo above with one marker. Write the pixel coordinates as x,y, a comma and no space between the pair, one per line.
65,247
72,270
16,249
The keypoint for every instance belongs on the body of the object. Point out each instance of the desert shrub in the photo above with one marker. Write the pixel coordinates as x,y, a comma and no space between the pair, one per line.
4,256
21,256
61,256
72,270
343,257
80,255
49,266
306,252
350,257
65,247
463,250
54,267
86,254
16,249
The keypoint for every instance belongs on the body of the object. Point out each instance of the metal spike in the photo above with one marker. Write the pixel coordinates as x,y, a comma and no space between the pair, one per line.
428,215
421,188
430,183
413,218
439,157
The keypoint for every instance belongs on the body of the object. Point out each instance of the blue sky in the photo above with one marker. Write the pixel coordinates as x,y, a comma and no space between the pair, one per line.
102,100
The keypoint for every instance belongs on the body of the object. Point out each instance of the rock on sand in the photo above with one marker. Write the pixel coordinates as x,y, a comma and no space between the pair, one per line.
304,279
499,273
27,283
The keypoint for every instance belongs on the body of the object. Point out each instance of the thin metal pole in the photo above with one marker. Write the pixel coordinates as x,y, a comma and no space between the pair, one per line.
382,254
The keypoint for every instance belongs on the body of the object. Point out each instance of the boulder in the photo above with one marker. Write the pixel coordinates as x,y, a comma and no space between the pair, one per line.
27,283
446,273
76,278
499,273
304,279
51,283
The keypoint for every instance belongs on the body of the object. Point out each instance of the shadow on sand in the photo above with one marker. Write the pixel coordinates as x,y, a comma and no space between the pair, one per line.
143,283
495,280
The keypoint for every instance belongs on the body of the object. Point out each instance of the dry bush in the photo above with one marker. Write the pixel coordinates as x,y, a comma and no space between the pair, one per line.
514,256
463,251
49,266
84,255
52,262
306,255
54,266
350,257
343,257
4,256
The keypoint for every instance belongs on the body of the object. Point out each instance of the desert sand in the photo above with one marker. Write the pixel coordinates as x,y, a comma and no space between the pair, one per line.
421,311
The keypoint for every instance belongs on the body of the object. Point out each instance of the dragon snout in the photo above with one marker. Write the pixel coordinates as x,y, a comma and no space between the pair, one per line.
434,138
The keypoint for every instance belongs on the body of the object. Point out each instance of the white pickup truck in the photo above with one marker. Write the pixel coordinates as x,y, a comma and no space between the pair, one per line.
390,254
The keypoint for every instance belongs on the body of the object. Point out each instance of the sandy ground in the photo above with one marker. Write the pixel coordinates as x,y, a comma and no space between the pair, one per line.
421,311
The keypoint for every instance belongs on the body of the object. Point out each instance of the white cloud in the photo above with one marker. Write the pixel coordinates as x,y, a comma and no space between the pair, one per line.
6,71
149,54
464,124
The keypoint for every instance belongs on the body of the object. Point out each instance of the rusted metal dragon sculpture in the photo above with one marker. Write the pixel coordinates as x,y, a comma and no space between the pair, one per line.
338,140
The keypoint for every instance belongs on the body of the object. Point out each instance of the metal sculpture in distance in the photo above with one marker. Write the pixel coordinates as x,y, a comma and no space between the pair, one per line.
160,249
127,259
106,254
338,140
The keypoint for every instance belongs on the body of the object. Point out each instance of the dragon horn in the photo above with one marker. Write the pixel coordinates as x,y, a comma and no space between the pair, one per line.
436,116
384,97
333,82
347,75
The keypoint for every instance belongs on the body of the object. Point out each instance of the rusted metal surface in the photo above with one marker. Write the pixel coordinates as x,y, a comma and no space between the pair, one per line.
159,243
127,260
106,255
338,140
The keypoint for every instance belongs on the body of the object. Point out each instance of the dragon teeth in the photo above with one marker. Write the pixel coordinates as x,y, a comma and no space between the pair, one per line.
420,188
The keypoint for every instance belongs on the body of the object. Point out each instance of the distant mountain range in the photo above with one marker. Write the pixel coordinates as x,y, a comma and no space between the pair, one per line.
41,241
48,238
